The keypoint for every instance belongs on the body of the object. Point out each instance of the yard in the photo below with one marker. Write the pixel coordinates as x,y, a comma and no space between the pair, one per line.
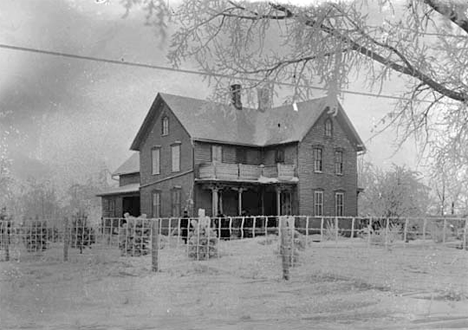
334,285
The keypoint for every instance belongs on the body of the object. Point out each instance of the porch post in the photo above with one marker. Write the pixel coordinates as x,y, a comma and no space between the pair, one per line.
214,201
278,200
263,200
239,204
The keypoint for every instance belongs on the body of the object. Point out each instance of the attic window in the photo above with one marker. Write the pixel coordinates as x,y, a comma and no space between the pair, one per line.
328,127
165,126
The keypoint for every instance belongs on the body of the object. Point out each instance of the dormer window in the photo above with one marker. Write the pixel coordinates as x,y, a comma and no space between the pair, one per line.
165,126
328,128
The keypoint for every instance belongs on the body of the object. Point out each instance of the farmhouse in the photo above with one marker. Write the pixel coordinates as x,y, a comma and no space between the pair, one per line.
191,154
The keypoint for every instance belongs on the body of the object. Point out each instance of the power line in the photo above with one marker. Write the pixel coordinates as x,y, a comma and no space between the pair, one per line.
177,70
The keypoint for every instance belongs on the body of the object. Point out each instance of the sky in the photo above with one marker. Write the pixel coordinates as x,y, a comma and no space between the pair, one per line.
75,116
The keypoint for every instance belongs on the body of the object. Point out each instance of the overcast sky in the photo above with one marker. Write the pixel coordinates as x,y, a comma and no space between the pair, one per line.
79,115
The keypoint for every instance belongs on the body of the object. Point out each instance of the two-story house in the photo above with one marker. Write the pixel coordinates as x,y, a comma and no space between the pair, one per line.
298,159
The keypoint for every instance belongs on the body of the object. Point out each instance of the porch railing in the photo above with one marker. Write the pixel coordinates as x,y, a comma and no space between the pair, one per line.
225,171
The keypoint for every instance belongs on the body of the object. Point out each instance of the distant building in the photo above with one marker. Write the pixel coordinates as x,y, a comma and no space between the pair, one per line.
298,159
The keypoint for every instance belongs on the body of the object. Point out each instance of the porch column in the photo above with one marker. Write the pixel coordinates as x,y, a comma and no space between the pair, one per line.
214,201
278,200
239,204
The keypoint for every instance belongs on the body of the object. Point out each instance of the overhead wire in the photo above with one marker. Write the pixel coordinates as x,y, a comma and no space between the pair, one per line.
179,70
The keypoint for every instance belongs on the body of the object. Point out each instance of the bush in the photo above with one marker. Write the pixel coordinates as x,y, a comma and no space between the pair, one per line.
81,234
35,235
134,237
202,242
383,235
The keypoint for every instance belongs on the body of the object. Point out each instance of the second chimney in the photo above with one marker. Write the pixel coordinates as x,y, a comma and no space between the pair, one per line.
236,96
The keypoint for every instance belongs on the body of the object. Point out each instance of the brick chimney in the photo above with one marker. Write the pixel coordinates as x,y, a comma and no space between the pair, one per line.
236,96
264,98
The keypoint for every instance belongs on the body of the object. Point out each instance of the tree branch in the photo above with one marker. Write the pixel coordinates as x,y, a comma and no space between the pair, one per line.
448,11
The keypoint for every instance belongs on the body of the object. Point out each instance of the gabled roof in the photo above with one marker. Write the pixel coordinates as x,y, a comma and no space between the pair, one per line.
215,122
131,165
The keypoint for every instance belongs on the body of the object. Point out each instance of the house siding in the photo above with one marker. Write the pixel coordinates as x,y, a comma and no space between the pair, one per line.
328,181
166,180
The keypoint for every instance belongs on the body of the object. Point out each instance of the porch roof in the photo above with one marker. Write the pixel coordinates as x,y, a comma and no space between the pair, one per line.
132,188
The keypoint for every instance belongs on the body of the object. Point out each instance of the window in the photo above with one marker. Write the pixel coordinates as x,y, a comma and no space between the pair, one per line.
165,126
339,162
318,159
318,202
156,204
339,204
156,161
175,201
175,149
279,156
241,156
216,153
328,127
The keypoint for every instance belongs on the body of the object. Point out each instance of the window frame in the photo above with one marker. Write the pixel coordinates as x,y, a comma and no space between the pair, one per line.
279,155
176,205
339,207
175,146
156,170
212,149
318,161
328,129
318,203
339,161
165,126
157,214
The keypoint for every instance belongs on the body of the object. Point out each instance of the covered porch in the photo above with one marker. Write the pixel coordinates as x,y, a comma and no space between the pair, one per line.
250,198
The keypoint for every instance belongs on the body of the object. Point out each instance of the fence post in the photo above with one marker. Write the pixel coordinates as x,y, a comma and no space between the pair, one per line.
405,232
386,233
443,231
285,247
336,230
369,232
464,234
154,245
352,227
6,237
307,231
65,239
321,229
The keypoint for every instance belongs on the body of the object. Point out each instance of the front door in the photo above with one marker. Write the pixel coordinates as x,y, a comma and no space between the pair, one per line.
286,208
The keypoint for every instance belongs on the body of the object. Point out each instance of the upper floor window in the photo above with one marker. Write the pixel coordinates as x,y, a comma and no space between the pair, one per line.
156,204
318,159
339,204
279,155
175,150
156,161
328,127
216,154
241,155
176,202
339,162
165,125
318,202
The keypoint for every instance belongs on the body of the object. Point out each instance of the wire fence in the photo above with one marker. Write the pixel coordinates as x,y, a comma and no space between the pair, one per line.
411,255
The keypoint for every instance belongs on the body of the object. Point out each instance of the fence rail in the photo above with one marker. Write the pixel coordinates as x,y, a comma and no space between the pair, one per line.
369,249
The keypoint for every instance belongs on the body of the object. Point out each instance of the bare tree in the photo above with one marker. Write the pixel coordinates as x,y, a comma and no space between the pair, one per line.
422,42
395,193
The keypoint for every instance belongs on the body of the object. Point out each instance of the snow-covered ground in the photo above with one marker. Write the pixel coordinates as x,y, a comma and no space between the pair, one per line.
335,285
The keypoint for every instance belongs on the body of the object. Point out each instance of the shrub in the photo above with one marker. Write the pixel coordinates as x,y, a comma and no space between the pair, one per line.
202,242
81,234
384,235
134,237
330,231
35,235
